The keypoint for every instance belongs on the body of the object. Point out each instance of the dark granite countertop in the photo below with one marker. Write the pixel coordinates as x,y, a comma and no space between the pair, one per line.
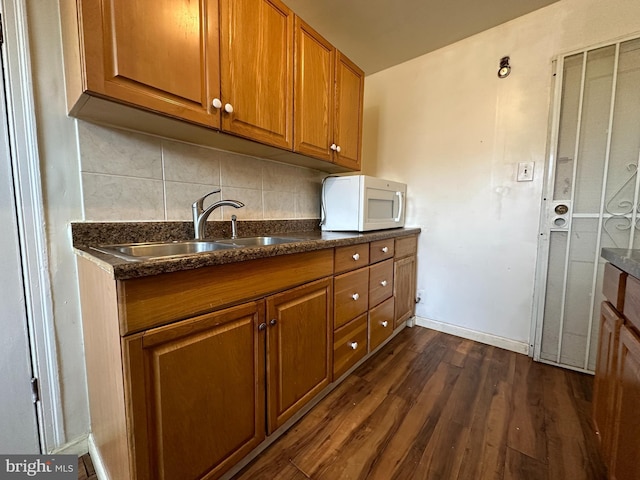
87,234
627,260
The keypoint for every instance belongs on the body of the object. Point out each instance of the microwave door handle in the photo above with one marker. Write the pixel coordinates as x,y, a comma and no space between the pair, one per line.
397,219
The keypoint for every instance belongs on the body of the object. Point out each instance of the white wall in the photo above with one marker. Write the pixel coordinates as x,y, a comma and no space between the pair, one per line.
61,193
446,125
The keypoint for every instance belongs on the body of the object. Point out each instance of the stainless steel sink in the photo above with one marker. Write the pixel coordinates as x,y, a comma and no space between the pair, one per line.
257,241
146,251
156,250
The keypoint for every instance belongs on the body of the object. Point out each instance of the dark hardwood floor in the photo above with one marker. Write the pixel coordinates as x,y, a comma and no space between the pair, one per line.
85,468
434,406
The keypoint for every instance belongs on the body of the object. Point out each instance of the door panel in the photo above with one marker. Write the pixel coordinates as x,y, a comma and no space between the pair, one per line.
256,70
349,101
18,421
299,348
202,406
158,54
591,199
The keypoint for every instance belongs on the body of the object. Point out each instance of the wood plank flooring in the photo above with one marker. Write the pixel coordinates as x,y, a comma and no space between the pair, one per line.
435,406
438,407
85,468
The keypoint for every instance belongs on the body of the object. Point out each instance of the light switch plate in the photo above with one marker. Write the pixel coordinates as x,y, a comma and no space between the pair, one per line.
525,171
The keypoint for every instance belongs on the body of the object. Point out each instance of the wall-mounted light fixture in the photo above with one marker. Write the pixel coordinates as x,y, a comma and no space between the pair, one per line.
505,68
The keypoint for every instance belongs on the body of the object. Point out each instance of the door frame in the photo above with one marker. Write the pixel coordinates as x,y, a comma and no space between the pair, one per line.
542,258
23,144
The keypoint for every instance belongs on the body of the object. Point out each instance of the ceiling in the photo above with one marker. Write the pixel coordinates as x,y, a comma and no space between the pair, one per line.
377,34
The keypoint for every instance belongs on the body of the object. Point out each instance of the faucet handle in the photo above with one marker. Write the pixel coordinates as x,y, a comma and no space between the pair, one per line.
198,205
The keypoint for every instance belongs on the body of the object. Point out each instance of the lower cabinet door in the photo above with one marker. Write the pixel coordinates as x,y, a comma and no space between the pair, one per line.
404,288
605,377
626,447
195,394
298,348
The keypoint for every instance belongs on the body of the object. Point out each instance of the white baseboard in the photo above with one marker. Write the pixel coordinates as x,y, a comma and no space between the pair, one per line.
487,338
96,459
78,446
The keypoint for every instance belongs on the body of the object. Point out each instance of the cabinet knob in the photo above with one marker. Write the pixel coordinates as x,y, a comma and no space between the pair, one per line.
383,283
228,108
353,345
216,103
338,148
385,249
273,321
333,147
384,324
262,326
355,296
356,256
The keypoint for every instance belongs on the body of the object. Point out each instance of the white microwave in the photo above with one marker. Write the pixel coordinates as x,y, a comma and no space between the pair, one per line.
361,203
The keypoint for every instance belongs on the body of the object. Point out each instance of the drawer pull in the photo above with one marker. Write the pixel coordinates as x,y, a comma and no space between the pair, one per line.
383,283
385,249
355,296
384,324
356,256
353,345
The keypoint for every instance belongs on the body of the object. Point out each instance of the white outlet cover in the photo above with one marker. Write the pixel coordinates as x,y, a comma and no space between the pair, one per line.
525,171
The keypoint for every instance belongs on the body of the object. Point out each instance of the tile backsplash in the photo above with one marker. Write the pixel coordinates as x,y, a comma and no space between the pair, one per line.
129,176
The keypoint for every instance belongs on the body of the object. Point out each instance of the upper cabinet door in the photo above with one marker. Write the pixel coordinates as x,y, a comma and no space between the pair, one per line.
256,38
313,91
158,54
349,104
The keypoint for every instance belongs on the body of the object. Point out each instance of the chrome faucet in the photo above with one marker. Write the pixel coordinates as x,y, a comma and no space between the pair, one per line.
234,227
200,214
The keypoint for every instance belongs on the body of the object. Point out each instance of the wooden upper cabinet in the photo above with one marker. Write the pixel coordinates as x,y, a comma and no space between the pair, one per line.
348,121
314,90
328,100
256,52
161,55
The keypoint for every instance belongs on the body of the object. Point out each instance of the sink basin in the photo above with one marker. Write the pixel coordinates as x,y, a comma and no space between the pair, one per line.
146,251
257,241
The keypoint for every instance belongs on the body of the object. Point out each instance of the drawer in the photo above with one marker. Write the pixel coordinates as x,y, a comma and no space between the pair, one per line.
380,323
406,246
613,286
351,296
351,257
380,282
631,308
381,250
349,345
